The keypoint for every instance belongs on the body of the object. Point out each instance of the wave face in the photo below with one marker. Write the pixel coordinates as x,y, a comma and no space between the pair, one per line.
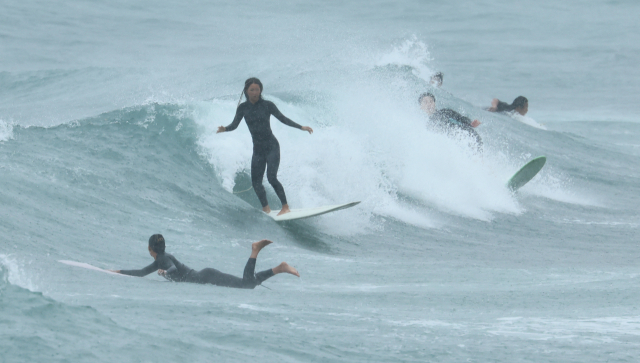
108,135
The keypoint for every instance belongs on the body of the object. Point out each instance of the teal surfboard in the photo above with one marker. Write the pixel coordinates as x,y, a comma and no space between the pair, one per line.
526,173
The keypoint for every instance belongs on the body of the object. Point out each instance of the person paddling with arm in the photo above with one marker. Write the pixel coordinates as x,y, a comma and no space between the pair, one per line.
170,268
266,150
519,105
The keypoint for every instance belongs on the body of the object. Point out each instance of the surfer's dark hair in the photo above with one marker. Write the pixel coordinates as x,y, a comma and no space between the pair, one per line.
427,94
156,243
248,83
437,76
519,102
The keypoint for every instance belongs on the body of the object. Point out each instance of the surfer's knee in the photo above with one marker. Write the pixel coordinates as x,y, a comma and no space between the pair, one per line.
273,179
257,185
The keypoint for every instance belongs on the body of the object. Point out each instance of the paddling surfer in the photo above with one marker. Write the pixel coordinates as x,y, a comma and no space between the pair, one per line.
170,268
520,105
266,150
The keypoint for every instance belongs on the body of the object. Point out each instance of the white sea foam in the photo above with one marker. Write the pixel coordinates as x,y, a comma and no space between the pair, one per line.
368,147
14,273
411,52
6,131
527,120
602,329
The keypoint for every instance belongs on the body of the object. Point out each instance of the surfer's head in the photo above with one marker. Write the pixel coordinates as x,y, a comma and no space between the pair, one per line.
520,105
252,89
436,79
156,244
427,103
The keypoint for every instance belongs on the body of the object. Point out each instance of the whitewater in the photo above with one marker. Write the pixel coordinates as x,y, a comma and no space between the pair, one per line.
108,119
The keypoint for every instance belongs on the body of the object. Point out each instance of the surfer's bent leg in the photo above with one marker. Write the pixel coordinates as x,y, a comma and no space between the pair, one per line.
258,166
273,163
215,277
249,280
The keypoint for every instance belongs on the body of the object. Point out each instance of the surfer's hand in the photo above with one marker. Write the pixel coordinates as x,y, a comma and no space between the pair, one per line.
475,123
162,273
307,128
116,271
494,105
221,129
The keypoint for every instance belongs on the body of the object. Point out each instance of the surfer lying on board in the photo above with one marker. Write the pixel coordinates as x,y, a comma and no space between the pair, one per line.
266,149
449,119
171,269
519,105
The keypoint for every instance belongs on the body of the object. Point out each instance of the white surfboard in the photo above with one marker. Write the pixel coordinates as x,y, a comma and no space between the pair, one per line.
308,212
89,267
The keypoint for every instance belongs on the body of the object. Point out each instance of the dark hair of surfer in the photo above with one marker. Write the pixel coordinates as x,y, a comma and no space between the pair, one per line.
422,96
156,243
519,102
247,84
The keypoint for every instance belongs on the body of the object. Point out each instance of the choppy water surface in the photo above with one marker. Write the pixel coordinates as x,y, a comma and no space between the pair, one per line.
108,115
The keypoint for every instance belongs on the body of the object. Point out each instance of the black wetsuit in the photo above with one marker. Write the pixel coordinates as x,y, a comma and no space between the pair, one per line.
503,107
266,149
179,272
449,119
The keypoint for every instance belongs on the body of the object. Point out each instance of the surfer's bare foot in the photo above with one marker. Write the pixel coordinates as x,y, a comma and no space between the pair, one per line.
266,209
285,267
256,247
285,209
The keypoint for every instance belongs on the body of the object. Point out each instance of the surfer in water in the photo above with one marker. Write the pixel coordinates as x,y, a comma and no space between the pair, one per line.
171,269
448,119
519,105
436,79
266,150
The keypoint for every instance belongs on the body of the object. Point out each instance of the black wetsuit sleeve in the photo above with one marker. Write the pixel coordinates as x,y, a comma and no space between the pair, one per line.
462,119
236,120
284,119
167,263
451,114
144,272
503,106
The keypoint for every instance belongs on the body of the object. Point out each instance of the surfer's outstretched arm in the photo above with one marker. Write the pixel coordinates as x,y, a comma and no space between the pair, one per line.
273,109
139,273
234,124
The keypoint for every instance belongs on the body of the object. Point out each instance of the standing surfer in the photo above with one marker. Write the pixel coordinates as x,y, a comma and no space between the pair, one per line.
266,149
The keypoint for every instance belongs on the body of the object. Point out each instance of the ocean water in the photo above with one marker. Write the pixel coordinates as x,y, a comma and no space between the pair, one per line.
108,113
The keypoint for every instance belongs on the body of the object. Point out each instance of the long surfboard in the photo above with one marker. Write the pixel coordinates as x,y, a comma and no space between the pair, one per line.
89,267
526,173
308,212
